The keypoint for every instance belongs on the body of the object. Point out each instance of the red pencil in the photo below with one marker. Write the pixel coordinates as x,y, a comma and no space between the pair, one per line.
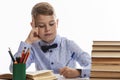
22,56
26,56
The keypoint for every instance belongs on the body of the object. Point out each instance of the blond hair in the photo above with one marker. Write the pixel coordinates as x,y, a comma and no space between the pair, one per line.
42,8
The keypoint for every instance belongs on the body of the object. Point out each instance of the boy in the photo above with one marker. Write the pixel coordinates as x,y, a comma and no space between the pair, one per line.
60,54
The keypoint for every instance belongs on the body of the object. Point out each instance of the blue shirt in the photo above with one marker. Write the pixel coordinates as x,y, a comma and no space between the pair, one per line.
57,57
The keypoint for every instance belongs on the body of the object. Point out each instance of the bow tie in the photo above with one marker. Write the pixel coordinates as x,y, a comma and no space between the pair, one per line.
46,48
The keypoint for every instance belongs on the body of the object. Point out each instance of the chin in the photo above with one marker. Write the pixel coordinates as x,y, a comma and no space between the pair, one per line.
48,40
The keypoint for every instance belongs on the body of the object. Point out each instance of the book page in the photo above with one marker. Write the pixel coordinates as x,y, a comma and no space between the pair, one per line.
34,73
42,75
6,76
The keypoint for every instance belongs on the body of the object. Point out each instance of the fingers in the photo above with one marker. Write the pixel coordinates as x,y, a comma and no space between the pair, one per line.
35,32
65,71
69,72
34,29
33,36
62,70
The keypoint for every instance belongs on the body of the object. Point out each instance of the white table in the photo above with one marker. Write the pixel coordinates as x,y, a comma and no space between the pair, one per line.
62,78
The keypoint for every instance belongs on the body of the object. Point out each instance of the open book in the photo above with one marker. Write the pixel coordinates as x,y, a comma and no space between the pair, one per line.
37,75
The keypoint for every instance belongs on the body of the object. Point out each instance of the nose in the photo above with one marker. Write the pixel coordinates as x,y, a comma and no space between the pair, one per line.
47,28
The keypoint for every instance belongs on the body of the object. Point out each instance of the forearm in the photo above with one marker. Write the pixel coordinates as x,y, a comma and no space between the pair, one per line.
85,62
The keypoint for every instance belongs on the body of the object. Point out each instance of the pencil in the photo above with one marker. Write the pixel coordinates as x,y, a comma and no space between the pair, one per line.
22,56
14,61
26,56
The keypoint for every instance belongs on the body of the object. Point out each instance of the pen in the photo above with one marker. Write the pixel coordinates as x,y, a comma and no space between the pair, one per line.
70,58
14,61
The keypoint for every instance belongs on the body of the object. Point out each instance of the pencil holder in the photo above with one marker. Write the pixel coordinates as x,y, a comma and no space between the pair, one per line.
19,71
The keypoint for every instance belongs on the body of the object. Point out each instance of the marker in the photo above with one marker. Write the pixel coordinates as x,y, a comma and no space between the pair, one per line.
71,58
14,61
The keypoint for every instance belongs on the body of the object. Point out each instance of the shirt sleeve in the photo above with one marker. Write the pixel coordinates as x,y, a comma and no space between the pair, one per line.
83,58
18,53
85,62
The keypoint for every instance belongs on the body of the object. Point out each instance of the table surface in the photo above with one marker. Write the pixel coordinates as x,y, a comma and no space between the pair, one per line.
62,78
59,77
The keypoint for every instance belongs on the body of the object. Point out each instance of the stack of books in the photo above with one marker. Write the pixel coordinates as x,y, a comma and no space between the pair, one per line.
105,60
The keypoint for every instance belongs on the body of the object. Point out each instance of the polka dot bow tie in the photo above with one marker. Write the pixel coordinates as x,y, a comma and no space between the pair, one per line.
47,47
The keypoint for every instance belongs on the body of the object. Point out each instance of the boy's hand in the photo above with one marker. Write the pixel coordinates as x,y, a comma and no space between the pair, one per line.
69,72
33,36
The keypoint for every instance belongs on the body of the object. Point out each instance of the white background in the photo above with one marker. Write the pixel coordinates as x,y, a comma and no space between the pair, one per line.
80,20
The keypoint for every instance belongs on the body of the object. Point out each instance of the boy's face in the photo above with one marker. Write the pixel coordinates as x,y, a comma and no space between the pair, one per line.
47,27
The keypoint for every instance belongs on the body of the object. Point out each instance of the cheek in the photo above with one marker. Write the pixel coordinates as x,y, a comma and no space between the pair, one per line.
40,32
55,29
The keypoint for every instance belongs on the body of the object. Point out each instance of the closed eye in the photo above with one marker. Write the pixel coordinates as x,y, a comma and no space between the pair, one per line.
52,23
40,25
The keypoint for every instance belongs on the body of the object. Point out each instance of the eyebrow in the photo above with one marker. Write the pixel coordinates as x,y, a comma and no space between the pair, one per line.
43,22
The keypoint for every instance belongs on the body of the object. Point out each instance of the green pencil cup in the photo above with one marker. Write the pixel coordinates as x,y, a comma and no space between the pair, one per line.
19,71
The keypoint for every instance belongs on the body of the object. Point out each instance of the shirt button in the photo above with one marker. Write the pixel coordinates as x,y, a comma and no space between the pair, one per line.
52,63
50,51
84,75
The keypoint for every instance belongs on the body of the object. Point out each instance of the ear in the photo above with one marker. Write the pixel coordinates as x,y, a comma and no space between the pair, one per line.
57,22
32,23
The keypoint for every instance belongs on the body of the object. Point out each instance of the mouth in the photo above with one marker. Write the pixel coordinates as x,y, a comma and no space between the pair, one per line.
48,34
